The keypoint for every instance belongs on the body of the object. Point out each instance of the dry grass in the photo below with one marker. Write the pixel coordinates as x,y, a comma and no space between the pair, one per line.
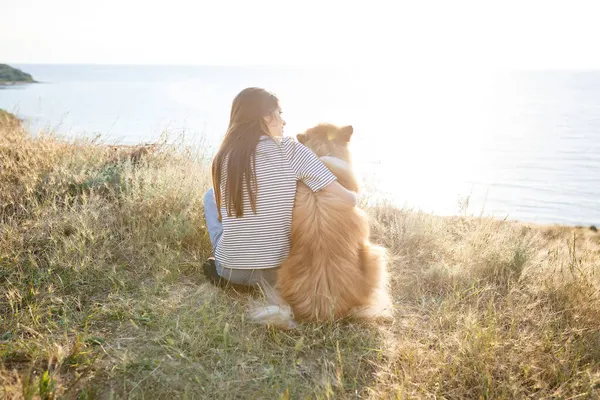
101,295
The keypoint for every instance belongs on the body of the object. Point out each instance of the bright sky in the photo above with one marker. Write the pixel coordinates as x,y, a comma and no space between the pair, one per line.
505,34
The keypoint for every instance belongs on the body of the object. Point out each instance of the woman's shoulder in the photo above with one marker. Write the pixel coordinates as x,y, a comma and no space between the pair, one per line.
286,142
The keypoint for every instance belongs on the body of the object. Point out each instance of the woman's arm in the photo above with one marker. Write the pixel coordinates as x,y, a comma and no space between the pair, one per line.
344,194
342,170
314,173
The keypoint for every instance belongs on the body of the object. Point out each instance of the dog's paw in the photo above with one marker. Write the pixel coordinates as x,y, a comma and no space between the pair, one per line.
374,313
276,316
381,308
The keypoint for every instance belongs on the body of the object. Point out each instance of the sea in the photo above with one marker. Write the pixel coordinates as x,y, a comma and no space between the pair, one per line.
518,145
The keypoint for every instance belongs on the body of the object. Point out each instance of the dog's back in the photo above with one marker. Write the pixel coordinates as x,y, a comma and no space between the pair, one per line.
322,277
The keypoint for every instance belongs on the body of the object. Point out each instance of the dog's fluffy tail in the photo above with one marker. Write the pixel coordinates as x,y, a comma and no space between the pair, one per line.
277,313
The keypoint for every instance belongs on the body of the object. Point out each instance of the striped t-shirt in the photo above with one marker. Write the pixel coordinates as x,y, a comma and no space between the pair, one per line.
262,240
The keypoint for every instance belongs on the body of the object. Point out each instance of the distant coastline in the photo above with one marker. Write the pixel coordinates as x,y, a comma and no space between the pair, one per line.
10,76
5,83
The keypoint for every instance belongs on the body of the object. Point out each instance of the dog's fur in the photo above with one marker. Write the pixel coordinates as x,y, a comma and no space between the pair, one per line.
333,270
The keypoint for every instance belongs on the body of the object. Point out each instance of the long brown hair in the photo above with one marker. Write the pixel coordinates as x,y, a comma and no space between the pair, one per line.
238,150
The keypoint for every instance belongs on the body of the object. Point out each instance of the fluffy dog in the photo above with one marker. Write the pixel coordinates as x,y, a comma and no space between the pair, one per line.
333,270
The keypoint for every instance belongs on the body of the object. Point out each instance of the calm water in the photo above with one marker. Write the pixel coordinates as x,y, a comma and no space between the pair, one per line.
518,145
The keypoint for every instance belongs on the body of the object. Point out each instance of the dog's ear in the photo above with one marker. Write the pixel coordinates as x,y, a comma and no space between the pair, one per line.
346,133
301,138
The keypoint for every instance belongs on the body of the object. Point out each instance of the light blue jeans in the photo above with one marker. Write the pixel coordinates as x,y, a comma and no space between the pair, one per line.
215,231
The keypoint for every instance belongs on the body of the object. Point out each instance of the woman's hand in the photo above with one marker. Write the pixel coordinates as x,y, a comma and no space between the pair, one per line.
342,193
342,170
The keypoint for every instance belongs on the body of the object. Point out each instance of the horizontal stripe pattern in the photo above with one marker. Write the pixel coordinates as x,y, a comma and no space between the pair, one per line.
262,240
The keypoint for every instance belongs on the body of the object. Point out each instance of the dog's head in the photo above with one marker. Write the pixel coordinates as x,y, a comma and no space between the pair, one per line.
328,140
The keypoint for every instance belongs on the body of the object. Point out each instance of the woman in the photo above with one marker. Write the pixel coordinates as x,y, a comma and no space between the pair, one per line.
254,173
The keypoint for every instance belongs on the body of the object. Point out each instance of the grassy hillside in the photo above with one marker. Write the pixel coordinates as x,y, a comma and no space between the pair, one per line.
8,118
10,75
102,296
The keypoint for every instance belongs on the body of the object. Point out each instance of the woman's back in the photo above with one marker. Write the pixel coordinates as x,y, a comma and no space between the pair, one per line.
262,239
